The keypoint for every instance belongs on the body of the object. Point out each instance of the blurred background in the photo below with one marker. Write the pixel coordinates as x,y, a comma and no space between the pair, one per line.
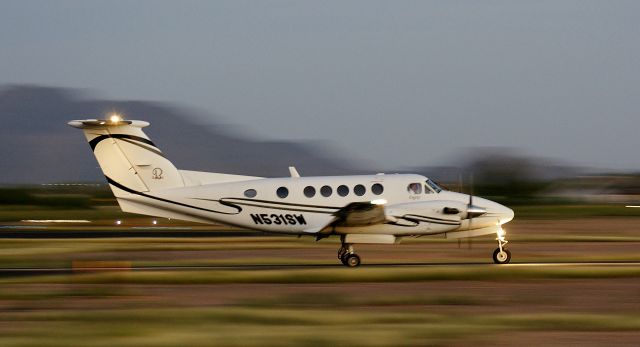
532,104
541,93
45,162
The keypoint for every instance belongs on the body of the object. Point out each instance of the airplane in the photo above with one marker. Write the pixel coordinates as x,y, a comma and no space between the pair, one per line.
360,209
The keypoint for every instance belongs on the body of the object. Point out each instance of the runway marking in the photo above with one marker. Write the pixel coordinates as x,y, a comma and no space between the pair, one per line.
55,221
162,228
23,227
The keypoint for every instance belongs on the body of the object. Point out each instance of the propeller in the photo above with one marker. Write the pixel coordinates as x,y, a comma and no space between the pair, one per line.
471,210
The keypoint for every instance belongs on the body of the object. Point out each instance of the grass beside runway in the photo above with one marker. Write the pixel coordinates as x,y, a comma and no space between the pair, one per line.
246,326
285,291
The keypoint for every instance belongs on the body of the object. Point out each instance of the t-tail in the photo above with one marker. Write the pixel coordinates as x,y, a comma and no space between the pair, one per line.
128,158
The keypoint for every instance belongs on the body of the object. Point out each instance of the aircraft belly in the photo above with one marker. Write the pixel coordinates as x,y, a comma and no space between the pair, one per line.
479,222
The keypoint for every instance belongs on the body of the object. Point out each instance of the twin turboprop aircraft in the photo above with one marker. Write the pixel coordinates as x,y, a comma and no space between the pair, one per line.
366,209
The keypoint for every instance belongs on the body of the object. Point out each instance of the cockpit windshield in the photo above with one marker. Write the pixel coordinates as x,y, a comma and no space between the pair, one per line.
434,186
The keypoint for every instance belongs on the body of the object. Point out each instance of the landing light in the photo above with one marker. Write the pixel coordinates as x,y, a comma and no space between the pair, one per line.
501,234
378,202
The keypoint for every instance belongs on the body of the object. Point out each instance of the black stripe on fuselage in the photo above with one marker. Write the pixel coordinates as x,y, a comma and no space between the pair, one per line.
430,219
283,207
417,223
93,143
285,203
416,220
129,190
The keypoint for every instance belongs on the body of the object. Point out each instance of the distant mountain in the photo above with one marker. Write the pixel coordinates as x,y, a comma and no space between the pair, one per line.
37,145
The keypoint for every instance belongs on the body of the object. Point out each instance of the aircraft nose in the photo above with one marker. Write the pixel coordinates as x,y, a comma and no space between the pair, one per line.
495,210
505,214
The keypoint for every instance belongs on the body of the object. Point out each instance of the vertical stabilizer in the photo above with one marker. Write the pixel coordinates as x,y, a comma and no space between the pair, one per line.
127,157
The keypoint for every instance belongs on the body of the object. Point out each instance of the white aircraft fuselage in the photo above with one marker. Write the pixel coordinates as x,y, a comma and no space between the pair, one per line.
379,208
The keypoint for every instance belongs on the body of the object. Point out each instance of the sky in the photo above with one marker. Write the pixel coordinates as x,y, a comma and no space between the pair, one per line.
395,83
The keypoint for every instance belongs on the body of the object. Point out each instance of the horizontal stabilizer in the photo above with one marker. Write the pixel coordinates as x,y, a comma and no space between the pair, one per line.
96,123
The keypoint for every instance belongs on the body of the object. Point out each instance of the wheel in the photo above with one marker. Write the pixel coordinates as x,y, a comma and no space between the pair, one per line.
501,257
342,252
343,258
352,260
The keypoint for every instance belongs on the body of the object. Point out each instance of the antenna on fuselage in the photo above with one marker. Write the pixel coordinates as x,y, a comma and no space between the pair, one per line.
293,172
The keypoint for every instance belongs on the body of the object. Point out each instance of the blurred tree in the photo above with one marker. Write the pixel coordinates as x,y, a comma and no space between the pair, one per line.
507,178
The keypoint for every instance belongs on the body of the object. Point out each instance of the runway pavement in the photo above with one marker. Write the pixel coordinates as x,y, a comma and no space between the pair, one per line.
37,232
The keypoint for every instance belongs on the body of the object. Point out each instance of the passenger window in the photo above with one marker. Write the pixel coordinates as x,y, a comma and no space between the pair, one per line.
359,190
343,190
377,189
250,193
414,188
309,192
427,190
282,192
326,191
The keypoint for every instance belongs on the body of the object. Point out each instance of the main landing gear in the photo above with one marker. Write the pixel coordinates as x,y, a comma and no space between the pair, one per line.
501,255
347,256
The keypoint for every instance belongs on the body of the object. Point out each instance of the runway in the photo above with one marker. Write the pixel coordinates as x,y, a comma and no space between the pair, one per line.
38,232
33,271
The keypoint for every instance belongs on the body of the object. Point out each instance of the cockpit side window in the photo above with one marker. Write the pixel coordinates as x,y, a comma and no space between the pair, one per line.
414,188
435,187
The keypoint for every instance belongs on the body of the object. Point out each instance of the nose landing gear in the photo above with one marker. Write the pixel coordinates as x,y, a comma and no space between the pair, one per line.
501,255
347,256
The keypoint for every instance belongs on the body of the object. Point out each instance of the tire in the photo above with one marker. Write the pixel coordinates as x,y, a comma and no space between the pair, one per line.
503,257
343,259
352,260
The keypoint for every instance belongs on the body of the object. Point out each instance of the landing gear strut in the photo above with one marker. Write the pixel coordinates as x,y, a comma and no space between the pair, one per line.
347,256
501,255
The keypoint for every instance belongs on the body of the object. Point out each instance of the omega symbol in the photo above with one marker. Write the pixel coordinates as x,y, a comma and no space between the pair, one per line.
157,173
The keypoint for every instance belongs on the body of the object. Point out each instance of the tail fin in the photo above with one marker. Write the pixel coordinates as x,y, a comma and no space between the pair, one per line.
127,157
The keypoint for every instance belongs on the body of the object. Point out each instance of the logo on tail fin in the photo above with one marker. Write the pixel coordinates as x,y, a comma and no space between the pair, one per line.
157,173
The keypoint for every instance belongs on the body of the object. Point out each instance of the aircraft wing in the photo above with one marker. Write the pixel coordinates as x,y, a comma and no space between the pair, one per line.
354,214
360,214
367,213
